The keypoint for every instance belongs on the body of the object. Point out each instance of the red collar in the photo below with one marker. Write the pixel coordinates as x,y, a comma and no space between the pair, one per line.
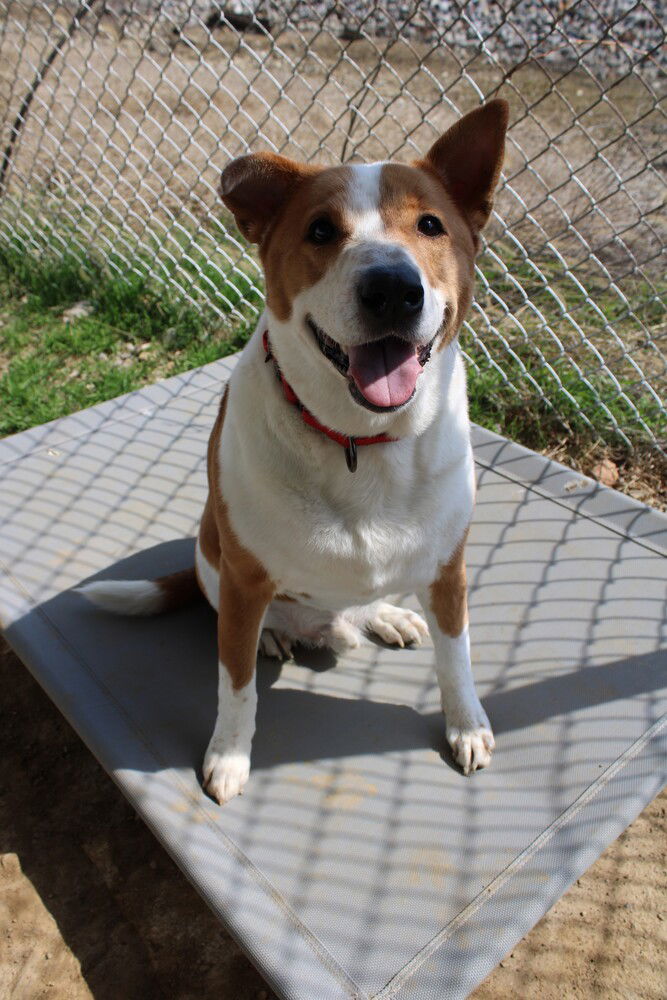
348,443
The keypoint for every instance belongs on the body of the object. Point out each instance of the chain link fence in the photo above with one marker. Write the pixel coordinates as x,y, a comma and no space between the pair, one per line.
117,116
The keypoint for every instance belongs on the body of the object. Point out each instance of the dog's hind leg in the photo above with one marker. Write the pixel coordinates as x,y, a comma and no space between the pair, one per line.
289,622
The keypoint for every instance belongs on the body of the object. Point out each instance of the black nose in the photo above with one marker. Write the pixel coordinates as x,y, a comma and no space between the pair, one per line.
392,294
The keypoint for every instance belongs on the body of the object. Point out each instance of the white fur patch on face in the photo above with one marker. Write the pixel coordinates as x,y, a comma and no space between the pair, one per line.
363,202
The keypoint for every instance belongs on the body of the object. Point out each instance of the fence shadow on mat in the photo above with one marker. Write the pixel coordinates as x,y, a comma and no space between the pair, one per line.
164,671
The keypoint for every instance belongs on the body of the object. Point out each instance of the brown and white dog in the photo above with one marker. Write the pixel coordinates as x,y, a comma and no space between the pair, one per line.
342,471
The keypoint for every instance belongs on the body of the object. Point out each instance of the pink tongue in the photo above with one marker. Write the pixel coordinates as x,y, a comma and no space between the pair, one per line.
386,371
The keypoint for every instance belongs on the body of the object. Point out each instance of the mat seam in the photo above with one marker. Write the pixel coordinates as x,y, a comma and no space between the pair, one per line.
315,945
580,512
397,982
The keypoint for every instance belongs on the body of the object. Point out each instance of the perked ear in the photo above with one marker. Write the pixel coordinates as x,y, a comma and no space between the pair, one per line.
255,187
469,157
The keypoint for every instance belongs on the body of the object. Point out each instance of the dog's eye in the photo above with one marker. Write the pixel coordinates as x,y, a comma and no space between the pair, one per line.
430,225
321,231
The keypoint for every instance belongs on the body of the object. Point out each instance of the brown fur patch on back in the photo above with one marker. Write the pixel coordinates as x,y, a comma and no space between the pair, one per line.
245,587
447,261
209,537
449,596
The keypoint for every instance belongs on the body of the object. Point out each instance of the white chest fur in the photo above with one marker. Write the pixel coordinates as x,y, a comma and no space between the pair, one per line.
344,538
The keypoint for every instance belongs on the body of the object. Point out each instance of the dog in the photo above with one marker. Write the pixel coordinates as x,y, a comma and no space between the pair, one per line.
340,467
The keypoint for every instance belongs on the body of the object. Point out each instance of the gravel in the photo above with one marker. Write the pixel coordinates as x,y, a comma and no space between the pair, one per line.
608,36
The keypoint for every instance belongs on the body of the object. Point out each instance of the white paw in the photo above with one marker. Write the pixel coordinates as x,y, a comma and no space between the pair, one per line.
471,747
225,773
341,635
398,626
277,645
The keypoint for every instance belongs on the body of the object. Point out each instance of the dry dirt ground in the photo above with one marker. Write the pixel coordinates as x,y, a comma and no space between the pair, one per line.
91,905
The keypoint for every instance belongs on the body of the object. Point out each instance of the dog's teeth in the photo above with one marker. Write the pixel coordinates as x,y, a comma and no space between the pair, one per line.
330,348
424,354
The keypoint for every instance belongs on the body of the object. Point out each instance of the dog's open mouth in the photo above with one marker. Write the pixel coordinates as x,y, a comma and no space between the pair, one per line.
382,375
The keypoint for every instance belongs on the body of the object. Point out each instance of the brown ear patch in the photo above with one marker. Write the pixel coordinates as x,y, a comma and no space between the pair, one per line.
468,159
256,187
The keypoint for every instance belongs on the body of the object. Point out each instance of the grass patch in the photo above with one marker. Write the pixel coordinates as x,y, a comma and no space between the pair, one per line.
532,321
564,343
121,334
536,403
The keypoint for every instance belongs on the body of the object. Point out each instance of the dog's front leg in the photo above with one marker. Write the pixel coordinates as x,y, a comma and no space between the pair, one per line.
243,600
445,605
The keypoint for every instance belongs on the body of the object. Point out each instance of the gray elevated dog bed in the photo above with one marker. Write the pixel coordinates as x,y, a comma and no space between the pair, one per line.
359,862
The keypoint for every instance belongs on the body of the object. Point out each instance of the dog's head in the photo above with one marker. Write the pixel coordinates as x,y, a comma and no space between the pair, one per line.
369,267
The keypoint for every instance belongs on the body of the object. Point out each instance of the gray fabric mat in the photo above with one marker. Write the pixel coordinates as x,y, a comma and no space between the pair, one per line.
359,862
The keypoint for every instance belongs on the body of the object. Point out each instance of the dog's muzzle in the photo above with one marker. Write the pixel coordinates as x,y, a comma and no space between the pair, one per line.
382,373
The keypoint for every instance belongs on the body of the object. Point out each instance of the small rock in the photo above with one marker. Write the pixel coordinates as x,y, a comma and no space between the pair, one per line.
606,472
78,311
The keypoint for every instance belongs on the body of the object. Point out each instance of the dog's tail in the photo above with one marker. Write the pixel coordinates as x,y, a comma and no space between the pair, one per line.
143,597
